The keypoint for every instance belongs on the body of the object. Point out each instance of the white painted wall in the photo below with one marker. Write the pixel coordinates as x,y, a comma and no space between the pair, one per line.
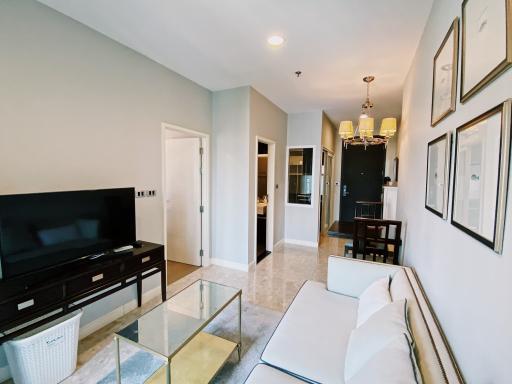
230,178
80,111
268,121
302,222
239,115
469,286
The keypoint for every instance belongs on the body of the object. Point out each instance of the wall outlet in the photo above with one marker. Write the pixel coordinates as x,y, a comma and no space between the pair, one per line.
145,193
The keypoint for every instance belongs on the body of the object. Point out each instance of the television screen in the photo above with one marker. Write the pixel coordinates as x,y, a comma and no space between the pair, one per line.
42,230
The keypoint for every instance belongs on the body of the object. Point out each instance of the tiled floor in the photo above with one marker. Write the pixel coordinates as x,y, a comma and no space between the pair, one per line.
273,283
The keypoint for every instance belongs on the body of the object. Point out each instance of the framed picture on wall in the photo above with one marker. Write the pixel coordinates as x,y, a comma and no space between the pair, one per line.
438,175
444,84
480,183
486,43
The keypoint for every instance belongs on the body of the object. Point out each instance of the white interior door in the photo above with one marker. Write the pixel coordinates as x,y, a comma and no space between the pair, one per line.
183,188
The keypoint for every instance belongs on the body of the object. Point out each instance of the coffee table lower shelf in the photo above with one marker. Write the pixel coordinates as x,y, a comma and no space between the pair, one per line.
198,361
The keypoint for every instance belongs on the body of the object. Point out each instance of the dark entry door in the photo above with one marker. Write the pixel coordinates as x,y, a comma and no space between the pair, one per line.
362,177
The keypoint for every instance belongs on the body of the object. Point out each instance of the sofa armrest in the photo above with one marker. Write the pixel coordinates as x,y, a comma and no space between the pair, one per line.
351,277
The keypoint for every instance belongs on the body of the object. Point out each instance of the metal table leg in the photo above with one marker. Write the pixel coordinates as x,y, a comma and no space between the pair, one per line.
239,347
118,360
168,373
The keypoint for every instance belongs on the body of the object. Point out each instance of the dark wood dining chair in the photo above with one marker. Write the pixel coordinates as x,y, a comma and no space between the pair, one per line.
376,237
368,209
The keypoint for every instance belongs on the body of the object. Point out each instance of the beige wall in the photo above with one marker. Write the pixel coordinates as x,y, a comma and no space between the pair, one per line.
329,134
469,286
330,141
80,111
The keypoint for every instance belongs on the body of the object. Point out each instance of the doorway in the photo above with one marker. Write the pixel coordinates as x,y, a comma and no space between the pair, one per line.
362,178
264,198
326,202
185,181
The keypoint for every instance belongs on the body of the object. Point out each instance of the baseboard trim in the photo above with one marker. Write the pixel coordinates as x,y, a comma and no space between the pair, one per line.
230,264
116,313
303,243
4,373
280,242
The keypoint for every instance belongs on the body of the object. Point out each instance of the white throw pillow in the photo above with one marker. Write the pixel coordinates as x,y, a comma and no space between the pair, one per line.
374,334
394,364
373,298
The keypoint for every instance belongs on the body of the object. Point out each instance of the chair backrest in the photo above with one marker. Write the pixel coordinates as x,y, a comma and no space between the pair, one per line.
377,237
368,209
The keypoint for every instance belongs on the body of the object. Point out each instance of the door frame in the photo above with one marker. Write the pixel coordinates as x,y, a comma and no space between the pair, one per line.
271,175
206,222
314,175
332,156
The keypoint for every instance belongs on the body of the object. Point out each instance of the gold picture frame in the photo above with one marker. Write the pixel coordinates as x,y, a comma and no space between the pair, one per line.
481,24
444,80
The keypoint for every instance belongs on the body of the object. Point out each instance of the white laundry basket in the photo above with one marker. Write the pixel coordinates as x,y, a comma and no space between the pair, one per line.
46,355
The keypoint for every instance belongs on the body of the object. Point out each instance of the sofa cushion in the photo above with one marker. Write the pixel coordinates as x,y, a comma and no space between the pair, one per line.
263,374
391,365
312,337
372,299
373,335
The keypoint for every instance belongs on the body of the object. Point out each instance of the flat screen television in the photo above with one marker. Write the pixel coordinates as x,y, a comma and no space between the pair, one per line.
43,230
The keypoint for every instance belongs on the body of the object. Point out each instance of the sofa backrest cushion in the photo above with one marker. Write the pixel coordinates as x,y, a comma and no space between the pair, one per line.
393,364
374,334
434,357
373,298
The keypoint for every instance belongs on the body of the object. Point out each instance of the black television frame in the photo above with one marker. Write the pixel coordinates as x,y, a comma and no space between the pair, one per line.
95,255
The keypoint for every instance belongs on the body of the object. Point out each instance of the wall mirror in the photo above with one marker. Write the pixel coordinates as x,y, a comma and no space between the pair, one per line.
300,175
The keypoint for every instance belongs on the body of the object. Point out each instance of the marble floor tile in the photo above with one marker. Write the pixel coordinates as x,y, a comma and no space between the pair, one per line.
273,283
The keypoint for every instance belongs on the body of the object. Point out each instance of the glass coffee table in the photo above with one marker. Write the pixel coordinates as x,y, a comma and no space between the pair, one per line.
173,331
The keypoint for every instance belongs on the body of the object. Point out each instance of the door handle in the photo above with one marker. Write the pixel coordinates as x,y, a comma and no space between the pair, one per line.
345,192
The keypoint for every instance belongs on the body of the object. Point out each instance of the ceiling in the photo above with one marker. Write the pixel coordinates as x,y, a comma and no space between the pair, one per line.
222,44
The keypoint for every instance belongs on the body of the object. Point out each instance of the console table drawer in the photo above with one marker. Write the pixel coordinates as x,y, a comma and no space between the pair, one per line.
91,280
31,303
141,261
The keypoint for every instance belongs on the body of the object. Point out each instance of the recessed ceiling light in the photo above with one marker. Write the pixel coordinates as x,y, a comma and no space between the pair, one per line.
275,40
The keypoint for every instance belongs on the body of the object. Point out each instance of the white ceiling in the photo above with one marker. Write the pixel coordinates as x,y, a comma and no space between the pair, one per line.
221,44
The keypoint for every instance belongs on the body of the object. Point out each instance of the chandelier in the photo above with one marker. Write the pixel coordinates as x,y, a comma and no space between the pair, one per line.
363,134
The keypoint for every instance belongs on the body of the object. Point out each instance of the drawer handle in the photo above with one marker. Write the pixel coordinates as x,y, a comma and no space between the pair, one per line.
25,304
97,278
145,259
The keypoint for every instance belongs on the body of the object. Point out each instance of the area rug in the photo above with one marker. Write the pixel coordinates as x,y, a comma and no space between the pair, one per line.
258,323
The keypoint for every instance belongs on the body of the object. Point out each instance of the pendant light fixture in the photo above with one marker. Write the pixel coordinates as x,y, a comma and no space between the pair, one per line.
364,132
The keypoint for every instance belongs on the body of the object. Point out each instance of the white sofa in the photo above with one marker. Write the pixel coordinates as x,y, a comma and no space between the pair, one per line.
310,342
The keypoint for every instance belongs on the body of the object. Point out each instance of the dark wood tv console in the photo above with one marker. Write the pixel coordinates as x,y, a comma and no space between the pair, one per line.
31,300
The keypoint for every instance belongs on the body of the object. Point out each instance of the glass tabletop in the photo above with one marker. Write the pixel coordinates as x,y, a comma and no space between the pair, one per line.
169,326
